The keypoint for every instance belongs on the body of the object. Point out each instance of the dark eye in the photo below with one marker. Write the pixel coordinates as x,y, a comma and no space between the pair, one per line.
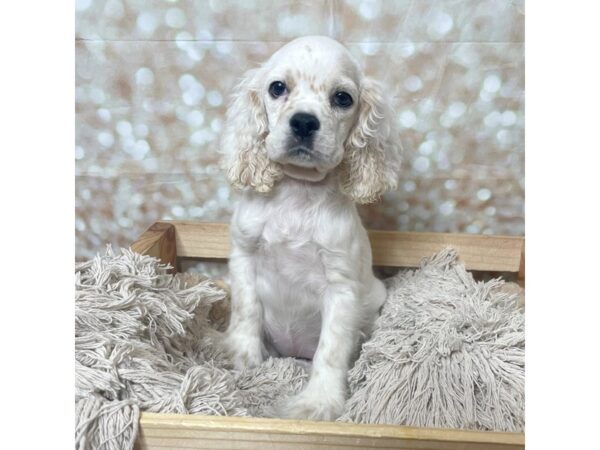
342,99
277,89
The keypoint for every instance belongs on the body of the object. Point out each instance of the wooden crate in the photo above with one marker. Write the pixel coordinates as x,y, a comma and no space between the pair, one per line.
169,240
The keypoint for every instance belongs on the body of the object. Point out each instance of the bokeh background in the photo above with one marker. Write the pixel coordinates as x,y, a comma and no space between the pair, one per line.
153,78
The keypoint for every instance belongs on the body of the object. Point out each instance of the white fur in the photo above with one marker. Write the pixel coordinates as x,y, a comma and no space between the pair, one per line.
302,282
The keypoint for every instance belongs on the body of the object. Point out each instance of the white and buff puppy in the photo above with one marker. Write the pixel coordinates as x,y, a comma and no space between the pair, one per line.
307,136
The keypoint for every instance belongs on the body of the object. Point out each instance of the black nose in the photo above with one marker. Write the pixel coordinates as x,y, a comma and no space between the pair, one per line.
303,124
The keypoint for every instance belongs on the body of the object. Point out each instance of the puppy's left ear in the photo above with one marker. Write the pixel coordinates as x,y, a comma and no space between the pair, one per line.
371,163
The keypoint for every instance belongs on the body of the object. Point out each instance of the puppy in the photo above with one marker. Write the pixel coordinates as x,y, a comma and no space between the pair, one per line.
307,136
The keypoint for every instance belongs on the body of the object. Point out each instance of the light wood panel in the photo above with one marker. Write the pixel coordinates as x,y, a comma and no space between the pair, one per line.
390,248
212,432
158,241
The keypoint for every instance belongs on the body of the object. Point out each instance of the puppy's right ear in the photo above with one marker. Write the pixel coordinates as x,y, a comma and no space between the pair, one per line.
245,158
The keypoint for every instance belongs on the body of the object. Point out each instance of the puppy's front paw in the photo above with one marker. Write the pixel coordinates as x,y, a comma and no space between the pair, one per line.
310,405
244,352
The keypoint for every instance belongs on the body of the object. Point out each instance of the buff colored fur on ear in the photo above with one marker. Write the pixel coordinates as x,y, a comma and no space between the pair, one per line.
371,162
246,163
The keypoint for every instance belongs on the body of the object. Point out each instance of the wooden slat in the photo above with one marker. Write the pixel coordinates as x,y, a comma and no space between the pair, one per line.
202,239
158,241
478,252
212,432
390,248
521,276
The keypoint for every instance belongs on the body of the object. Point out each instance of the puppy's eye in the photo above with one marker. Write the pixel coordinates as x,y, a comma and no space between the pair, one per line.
342,99
277,89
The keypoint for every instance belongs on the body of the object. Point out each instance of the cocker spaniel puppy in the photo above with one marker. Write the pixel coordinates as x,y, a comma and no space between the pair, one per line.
307,135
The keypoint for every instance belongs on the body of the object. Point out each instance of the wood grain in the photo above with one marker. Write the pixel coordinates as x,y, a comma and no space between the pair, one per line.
213,432
158,241
390,248
521,275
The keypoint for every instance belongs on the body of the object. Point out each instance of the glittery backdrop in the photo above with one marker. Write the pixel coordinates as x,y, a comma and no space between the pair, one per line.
153,77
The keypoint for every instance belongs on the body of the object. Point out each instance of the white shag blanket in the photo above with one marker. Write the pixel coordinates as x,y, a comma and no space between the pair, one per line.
446,352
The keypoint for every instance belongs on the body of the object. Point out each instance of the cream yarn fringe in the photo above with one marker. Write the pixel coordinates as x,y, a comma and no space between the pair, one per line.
447,352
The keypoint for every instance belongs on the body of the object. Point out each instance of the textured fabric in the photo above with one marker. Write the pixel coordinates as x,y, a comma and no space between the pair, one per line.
143,343
446,352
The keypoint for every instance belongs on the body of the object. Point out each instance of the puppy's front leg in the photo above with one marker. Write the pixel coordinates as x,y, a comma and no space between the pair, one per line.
244,335
325,393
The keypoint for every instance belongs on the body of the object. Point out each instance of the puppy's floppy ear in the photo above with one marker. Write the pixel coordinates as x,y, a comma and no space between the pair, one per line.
371,163
245,158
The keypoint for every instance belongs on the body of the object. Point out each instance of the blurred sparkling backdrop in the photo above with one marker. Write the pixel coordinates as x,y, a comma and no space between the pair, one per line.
153,78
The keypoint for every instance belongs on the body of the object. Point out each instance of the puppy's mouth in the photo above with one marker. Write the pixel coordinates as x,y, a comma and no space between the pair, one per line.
301,163
303,173
302,155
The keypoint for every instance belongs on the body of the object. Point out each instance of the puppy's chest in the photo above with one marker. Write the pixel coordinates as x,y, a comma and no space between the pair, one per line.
288,256
290,283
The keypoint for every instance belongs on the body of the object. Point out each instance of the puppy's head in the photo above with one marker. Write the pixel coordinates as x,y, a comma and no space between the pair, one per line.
307,112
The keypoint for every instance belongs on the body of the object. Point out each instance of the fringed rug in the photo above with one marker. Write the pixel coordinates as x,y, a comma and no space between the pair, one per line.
447,351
